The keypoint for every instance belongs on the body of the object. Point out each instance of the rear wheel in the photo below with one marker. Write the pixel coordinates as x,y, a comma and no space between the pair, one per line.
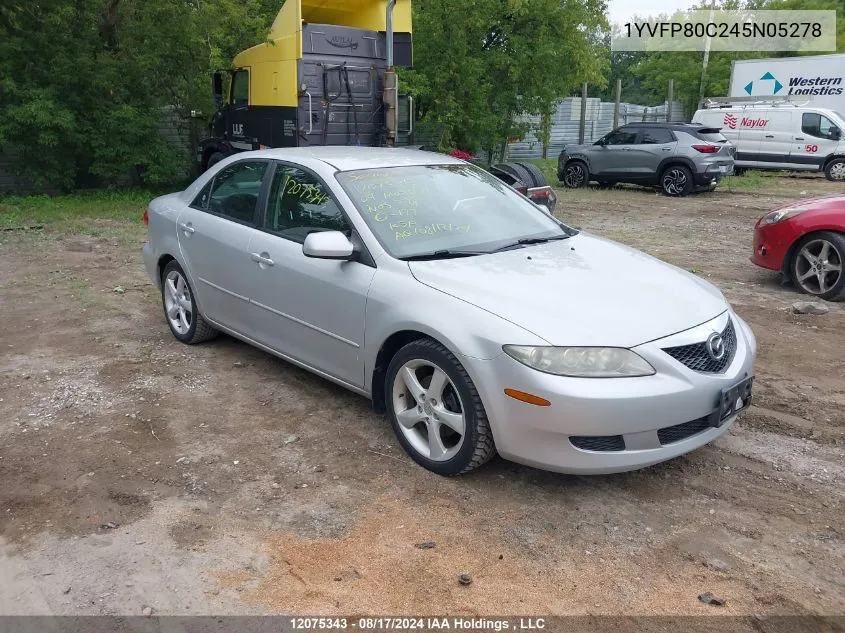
575,174
676,181
817,266
180,307
537,176
835,170
436,411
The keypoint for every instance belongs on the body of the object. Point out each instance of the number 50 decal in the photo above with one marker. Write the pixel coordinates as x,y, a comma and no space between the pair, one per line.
811,149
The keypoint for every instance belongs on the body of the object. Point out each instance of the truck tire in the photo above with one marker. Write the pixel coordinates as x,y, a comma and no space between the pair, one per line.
538,177
516,171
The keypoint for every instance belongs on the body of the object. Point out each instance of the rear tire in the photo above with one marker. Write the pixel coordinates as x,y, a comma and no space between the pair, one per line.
180,307
808,273
676,180
576,174
429,392
835,170
537,176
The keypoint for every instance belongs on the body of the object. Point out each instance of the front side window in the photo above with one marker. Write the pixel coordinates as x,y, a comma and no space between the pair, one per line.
420,210
240,88
235,190
817,125
300,204
621,137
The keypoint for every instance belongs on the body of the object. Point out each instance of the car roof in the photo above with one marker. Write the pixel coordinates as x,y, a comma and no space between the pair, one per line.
669,126
347,158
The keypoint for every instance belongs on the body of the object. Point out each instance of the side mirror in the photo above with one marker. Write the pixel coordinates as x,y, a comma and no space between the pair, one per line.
217,88
835,133
328,245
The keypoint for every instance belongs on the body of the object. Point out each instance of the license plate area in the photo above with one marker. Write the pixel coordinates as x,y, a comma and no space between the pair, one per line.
731,401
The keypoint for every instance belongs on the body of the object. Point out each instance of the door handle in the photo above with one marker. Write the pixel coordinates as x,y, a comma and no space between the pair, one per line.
262,259
666,149
770,135
799,138
626,149
187,228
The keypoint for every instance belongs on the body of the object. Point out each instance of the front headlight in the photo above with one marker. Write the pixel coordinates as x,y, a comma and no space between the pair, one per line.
582,362
779,216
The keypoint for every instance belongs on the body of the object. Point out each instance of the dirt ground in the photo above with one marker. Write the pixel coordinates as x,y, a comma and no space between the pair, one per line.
137,472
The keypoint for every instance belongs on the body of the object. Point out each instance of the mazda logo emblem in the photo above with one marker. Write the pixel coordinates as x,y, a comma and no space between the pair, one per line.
716,346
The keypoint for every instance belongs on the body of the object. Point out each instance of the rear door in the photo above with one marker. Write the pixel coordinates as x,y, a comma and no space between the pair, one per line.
814,141
214,234
652,146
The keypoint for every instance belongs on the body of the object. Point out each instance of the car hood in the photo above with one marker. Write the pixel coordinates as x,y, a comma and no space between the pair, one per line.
822,203
581,291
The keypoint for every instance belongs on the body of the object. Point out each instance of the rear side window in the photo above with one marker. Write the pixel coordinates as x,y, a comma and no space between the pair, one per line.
201,201
235,191
655,136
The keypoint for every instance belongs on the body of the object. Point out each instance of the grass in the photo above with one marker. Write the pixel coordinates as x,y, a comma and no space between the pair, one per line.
74,213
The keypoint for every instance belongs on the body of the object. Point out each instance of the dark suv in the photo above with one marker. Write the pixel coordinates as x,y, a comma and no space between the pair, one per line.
677,157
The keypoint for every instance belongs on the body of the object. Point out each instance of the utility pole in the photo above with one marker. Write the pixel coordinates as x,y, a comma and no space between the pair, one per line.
616,107
583,125
707,43
669,98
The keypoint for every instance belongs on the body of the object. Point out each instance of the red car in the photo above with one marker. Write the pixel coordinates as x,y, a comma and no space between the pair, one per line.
806,241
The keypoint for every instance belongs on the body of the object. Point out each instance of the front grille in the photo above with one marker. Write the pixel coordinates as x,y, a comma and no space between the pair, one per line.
697,358
672,434
603,443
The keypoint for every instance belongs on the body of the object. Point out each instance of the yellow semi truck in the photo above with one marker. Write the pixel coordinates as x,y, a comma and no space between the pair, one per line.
325,76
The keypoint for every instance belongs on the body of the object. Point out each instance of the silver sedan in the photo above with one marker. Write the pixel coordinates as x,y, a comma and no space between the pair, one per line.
475,320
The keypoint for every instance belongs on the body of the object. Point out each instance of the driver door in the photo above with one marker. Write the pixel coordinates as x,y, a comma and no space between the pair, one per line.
819,138
614,157
310,310
238,120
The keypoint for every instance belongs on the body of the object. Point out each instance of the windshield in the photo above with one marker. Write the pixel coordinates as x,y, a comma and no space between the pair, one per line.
425,209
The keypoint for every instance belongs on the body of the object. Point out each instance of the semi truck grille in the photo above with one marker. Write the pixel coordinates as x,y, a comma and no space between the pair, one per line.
698,358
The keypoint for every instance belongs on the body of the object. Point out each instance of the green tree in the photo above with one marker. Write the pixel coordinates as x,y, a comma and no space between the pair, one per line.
479,66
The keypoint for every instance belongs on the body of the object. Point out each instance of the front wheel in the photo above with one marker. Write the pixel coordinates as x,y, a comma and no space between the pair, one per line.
180,307
575,174
817,266
835,170
676,181
435,410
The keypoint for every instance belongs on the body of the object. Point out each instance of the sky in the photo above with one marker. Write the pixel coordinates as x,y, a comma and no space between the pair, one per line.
622,10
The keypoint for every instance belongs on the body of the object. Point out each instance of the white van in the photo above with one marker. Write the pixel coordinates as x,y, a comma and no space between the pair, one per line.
781,135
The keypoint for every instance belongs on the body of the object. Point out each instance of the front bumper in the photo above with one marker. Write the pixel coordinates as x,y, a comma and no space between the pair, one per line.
771,242
646,412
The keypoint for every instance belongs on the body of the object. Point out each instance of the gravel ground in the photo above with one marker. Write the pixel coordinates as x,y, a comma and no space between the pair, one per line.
139,474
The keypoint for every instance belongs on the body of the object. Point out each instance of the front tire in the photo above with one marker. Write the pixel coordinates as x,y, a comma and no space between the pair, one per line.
676,180
180,307
575,174
435,410
818,266
835,170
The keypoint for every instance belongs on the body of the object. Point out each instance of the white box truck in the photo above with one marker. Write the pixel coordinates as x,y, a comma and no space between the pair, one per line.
820,77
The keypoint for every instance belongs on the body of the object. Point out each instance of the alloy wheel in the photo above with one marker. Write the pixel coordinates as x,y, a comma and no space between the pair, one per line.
429,410
818,267
177,302
674,181
573,176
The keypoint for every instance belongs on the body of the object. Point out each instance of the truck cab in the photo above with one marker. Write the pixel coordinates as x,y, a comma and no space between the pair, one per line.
325,76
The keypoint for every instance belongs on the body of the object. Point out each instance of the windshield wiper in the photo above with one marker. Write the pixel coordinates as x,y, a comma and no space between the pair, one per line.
528,241
442,254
